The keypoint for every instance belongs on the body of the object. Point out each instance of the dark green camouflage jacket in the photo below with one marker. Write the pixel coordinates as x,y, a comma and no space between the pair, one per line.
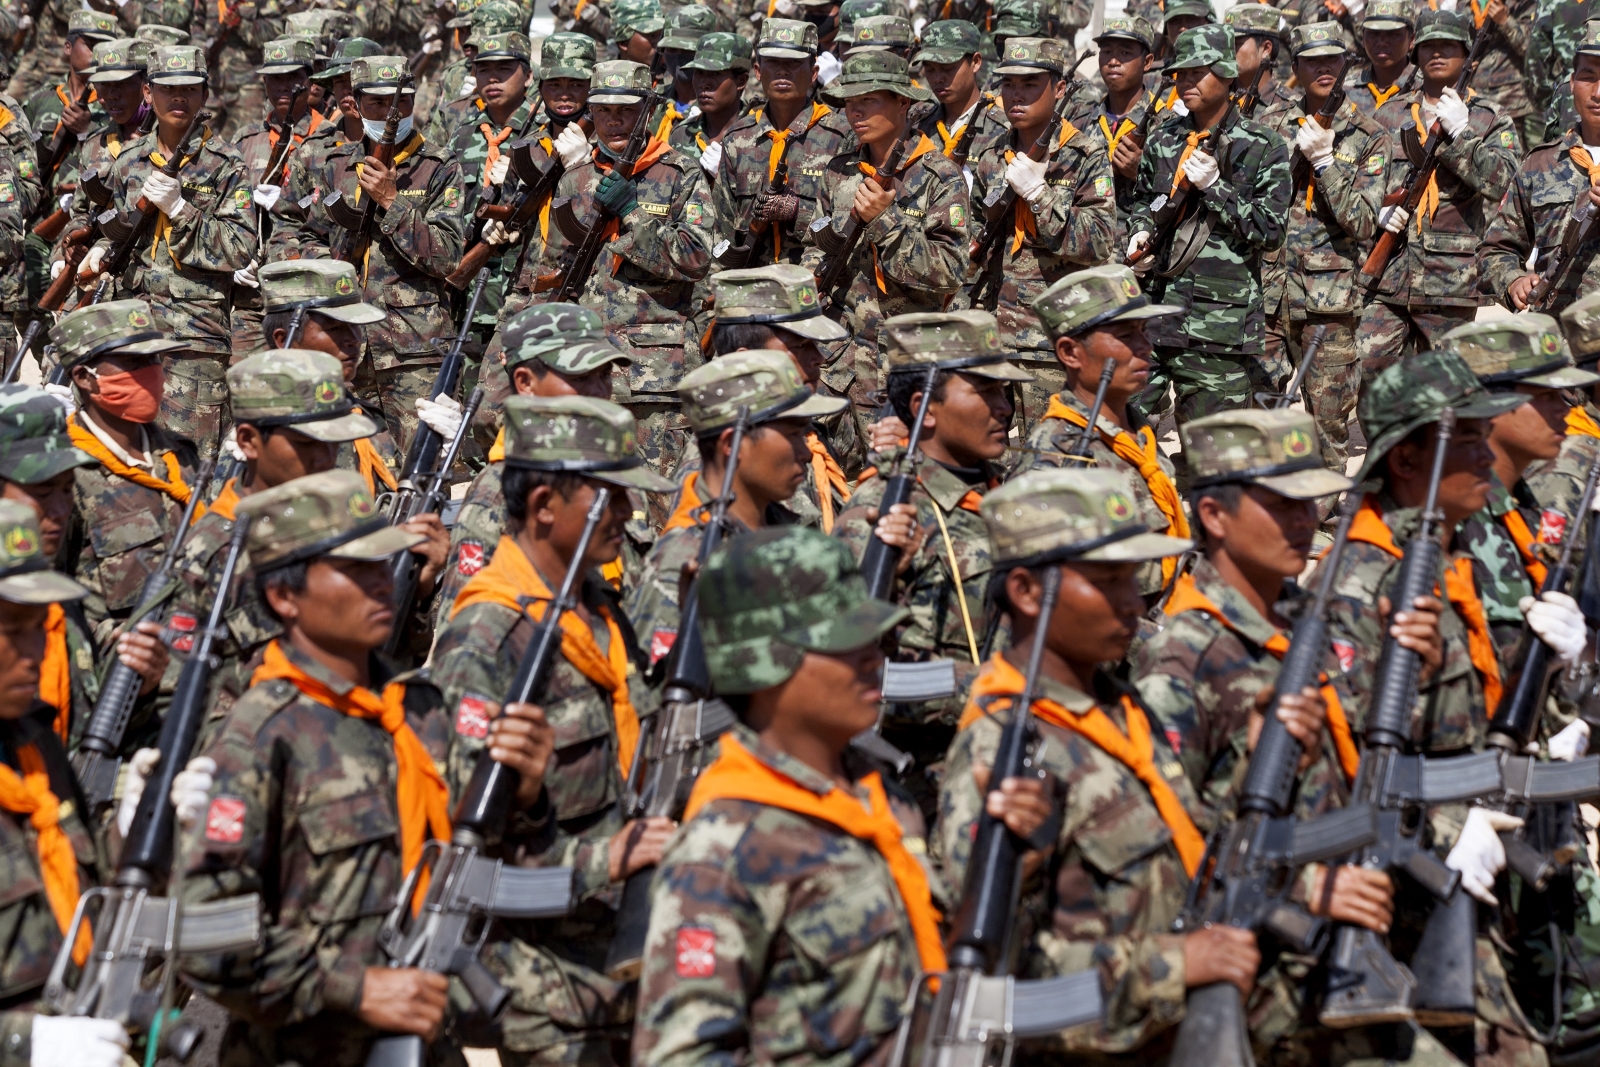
1497,563
1535,213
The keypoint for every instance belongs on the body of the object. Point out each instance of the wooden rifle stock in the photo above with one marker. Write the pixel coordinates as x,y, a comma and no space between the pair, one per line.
833,270
351,245
77,245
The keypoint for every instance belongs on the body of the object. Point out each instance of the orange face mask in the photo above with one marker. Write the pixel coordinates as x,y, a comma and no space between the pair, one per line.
134,395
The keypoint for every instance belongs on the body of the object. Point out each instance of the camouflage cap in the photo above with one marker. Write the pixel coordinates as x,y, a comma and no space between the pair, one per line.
178,64
156,33
721,51
948,41
125,327
1029,55
328,286
1589,41
1258,19
1443,26
1580,322
1194,9
25,575
879,32
297,388
769,597
1132,28
317,24
966,341
1318,39
620,81
853,11
786,38
1524,349
687,25
1206,46
1020,18
381,75
1085,299
345,53
1388,15
567,55
782,295
503,46
92,25
867,72
1061,515
578,435
496,16
765,381
34,444
328,514
287,55
569,339
1414,392
1273,449
629,17
119,60
463,16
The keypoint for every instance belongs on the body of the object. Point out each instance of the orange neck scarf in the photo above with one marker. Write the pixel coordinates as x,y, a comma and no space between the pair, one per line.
227,502
422,795
775,154
653,151
1580,423
738,775
686,514
494,141
374,469
1135,750
1025,225
174,485
828,478
1114,138
506,580
1585,162
924,146
1191,145
67,101
29,794
1186,596
1430,196
55,673
1517,527
1381,96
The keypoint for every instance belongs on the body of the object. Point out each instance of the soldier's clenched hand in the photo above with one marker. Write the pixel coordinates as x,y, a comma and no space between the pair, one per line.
1356,895
899,529
1125,160
434,551
1221,954
1418,630
1303,714
1023,804
1521,289
638,845
871,200
75,118
403,1000
378,182
143,651
523,739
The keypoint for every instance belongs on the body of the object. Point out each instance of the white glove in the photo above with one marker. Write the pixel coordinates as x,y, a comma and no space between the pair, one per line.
469,84
917,25
787,9
90,267
1026,177
1571,743
1137,243
442,416
711,159
77,1042
266,195
1316,144
25,23
432,45
1355,8
57,267
191,791
1478,854
1394,220
63,395
65,201
230,446
165,193
1451,112
1201,170
139,767
246,276
496,234
498,172
1555,619
828,67
572,146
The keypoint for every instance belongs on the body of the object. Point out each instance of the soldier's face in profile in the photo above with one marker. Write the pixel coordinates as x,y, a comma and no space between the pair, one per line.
1250,52
341,92
641,47
970,419
564,97
1441,61
51,500
1096,616
1387,48
838,693
952,82
1029,99
282,453
1535,430
786,79
560,520
1268,536
346,608
80,54
331,337
1123,341
1464,486
121,99
613,123
501,81
1585,97
21,652
1123,63
773,456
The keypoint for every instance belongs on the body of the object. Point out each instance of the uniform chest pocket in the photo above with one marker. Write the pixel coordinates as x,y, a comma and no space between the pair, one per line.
581,782
112,535
355,843
1123,832
845,923
344,823
1452,244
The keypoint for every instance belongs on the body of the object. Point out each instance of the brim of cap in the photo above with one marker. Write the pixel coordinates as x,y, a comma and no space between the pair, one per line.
816,406
814,328
380,544
862,625
460,22
733,64
483,57
640,477
682,44
1220,66
113,75
1139,548
47,465
585,356
647,26
282,68
329,74
1489,407
781,52
40,587
855,89
855,48
351,427
1148,311
1385,22
1004,371
178,79
1025,69
153,347
1312,484
357,314
92,35
1563,378
381,90
1320,50
1122,35
1438,35
612,96
940,55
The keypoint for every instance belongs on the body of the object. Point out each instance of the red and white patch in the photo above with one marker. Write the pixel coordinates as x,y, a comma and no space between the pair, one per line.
660,644
1347,655
225,821
472,717
697,952
181,626
1175,739
469,558
1552,527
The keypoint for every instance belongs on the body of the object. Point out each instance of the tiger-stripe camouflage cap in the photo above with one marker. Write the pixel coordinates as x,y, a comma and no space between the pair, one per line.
1177,9
1318,39
297,389
1206,46
34,444
328,514
327,286
763,381
1029,55
119,60
1130,28
629,17
1415,391
1580,321
494,46
1058,515
1273,449
1255,19
687,26
567,55
783,295
966,341
1589,42
877,33
620,81
568,339
721,51
1524,349
25,575
1088,298
1020,18
1443,26
345,53
124,327
578,435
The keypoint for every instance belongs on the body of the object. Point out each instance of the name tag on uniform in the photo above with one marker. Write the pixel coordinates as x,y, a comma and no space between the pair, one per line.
1172,769
808,172
656,209
413,192
914,213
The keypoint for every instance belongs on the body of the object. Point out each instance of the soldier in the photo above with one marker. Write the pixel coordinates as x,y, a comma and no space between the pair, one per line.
686,27
718,73
1125,48
1176,20
1558,485
636,29
325,781
49,55
1214,357
1339,175
1255,32
466,107
1430,285
1097,315
345,124
417,243
118,80
566,63
1018,18
560,452
1553,40
1065,209
967,118
1503,65
1386,40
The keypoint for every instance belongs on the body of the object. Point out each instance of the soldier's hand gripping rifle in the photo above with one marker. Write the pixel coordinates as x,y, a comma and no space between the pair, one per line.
356,223
739,252
977,1000
138,935
273,175
50,159
1247,871
832,280
1576,233
596,235
681,734
1291,392
1167,213
467,889
1324,117
97,761
879,561
130,232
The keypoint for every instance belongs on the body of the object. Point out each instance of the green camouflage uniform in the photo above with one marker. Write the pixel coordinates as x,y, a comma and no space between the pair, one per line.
951,41
1553,42
1095,113
463,105
43,55
714,52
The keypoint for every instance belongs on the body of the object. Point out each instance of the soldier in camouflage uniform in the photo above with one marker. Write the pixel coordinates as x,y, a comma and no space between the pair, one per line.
636,30
560,452
719,72
1431,283
466,106
1340,174
1215,356
339,98
1177,19
1558,485
1257,48
966,117
1387,27
686,27
1127,112
1553,40
1065,210
566,64
236,96
1503,71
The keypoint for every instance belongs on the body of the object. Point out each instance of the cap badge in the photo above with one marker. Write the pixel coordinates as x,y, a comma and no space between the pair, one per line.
21,542
1297,443
1119,507
327,392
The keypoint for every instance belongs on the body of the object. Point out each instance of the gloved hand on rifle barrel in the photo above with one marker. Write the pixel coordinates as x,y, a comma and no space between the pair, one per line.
1201,169
496,234
191,788
1556,620
711,158
572,144
499,169
165,193
1315,144
1026,177
74,1041
1452,112
441,415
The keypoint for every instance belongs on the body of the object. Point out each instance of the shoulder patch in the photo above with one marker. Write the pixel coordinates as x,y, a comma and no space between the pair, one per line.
473,714
1506,139
225,820
469,558
1374,165
695,954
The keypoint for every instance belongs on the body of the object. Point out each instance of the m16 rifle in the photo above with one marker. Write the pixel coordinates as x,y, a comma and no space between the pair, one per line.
833,280
1576,233
878,560
356,223
592,239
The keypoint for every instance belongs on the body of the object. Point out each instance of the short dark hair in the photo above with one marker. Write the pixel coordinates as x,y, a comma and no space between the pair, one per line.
733,336
903,385
518,482
1228,496
290,576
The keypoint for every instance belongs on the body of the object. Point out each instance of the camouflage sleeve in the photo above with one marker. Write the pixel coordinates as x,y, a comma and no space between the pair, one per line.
1541,61
653,607
927,254
725,214
1076,214
19,135
222,237
429,232
300,228
1507,239
1152,179
1258,214
1513,33
1350,187
1485,158
675,245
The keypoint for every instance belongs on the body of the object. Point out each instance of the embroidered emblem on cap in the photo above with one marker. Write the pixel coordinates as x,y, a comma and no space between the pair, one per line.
327,392
21,542
1297,443
361,505
1118,506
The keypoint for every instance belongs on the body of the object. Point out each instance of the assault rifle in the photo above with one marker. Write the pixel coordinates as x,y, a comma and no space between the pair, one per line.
130,232
951,1018
878,560
1324,117
738,253
537,173
1080,447
1243,878
138,936
1576,233
1291,392
50,160
1167,213
97,761
833,277
593,238
467,889
273,174
355,223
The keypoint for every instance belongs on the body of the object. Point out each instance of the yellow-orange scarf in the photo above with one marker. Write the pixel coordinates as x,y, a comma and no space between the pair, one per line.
924,146
29,794
55,671
689,504
163,226
828,478
497,451
174,485
950,137
738,775
1115,138
1025,224
1523,537
494,141
405,152
1585,162
372,466
1191,145
227,501
775,153
66,102
1580,423
1381,96
1430,196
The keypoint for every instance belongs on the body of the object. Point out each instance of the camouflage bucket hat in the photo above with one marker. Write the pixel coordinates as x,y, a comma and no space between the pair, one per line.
1524,349
1443,26
786,39
966,341
948,41
1129,28
687,25
504,46
1195,9
34,444
1580,322
620,81
496,16
92,25
1388,15
1059,515
721,51
119,60
868,72
328,286
381,75
629,17
178,64
25,575
545,331
328,514
1259,19
1589,43
769,597
1273,449
297,388
1413,393
765,381
782,295
287,55
1206,46
1020,18
1085,299
1029,55
567,55
876,33
1318,39
578,435
126,327
155,33
345,53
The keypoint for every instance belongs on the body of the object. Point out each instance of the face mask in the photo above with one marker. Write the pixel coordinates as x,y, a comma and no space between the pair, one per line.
375,130
133,395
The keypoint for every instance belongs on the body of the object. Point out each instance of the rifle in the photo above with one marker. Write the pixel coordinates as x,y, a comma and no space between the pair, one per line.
297,322
689,721
133,928
1579,228
833,270
225,26
355,234
739,253
1245,876
976,999
276,162
35,10
29,337
97,761
594,238
878,560
135,226
1167,213
963,146
1080,447
1418,175
1291,392
1323,117
62,142
467,889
